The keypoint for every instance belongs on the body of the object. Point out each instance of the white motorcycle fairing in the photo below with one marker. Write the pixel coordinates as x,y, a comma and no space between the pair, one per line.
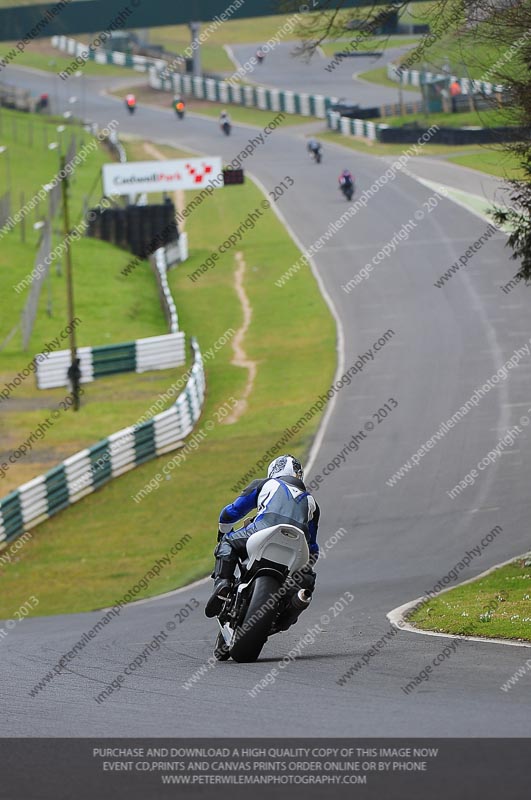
282,544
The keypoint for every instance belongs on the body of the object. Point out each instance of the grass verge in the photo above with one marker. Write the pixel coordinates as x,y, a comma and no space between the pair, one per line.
465,609
95,551
487,118
493,161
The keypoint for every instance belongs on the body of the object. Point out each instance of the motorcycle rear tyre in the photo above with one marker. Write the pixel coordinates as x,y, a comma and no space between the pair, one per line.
250,637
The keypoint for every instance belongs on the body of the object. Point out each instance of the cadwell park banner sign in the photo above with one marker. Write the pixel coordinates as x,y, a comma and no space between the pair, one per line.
161,176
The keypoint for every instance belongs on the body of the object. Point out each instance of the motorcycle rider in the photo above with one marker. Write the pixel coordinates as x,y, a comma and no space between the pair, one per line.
282,497
179,105
130,102
224,118
314,147
346,178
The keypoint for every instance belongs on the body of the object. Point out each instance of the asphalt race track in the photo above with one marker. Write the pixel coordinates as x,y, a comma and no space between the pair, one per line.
280,69
400,540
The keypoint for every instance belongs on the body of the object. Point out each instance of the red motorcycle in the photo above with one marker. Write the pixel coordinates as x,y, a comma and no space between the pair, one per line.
130,103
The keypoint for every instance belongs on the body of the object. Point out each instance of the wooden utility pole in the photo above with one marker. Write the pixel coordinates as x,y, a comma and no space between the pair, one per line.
195,28
73,372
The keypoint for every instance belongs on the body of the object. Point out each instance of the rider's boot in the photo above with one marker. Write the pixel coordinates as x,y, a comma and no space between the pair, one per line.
223,577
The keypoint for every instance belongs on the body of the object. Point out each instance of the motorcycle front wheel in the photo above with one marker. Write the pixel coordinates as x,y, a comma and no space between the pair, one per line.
251,635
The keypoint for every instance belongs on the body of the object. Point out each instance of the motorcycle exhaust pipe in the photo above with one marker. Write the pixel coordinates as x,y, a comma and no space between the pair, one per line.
298,603
301,600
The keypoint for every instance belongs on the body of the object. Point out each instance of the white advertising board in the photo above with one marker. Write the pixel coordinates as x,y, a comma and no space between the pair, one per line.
162,176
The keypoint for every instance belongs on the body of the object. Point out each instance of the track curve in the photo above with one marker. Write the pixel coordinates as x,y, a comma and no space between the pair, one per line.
400,540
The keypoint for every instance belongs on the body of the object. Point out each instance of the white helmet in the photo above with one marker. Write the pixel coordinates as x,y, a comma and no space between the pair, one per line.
287,466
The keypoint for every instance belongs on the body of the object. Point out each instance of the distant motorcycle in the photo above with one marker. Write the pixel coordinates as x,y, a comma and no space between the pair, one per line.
226,128
268,594
179,109
317,154
42,102
347,187
130,104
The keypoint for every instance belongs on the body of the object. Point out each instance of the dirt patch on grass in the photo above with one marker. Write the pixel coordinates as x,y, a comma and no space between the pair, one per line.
240,358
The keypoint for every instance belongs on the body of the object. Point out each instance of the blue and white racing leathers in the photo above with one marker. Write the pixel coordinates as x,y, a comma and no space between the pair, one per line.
282,500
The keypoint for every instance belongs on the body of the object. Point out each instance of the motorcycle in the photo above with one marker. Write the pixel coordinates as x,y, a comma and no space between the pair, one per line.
226,128
348,189
42,103
266,597
130,107
179,110
317,155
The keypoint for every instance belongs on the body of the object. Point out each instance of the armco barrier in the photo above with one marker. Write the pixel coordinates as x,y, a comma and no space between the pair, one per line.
354,127
117,147
101,56
387,134
160,263
451,136
414,77
86,471
154,352
307,105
